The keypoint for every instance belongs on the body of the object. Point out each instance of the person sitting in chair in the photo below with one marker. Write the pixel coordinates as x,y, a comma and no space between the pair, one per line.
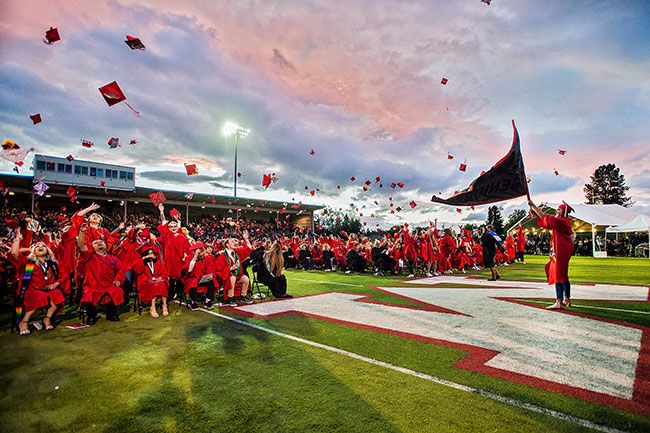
38,283
153,281
230,272
269,272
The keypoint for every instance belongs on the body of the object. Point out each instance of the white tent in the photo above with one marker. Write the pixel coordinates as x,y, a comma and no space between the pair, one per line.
639,224
590,218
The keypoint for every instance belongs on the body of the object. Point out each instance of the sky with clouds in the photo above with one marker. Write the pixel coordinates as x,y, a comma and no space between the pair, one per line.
357,81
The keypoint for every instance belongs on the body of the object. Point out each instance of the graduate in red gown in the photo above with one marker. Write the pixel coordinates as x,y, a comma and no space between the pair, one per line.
521,244
447,246
230,273
103,276
39,283
153,281
175,248
561,250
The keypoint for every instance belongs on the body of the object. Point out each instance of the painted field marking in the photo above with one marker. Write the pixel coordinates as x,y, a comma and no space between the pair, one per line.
592,307
328,282
495,397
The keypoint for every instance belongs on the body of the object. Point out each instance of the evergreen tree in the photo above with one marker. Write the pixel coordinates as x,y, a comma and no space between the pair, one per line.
336,221
495,218
607,187
514,217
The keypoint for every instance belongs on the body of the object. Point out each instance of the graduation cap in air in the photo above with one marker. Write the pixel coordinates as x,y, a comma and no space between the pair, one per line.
133,142
487,2
51,36
459,210
450,156
352,179
556,172
113,142
400,185
72,193
191,169
444,81
134,43
87,143
338,186
36,118
157,198
175,214
311,152
102,183
113,94
463,166
413,204
9,144
312,192
41,187
267,179
70,158
561,152
239,174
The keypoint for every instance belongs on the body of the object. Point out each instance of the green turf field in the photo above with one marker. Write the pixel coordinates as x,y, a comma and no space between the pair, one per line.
196,372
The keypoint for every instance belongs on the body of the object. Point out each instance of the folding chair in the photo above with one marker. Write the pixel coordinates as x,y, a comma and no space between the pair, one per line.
255,285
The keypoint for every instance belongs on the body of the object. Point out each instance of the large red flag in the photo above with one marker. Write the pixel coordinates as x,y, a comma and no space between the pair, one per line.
505,180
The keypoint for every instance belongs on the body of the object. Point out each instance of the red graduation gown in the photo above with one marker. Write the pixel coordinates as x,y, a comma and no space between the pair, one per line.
557,269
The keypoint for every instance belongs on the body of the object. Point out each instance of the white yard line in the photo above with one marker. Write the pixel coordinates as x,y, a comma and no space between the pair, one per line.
589,307
328,282
487,394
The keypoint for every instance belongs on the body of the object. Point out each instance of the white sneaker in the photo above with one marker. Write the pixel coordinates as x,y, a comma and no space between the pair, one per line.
429,274
463,270
410,276
347,272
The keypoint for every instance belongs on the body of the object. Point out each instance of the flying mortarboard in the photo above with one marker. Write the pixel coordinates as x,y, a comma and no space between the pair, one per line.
444,81
311,152
36,118
556,172
352,179
51,36
133,142
191,169
463,166
174,213
157,198
561,152
113,94
70,158
40,188
113,142
413,204
450,156
87,143
134,43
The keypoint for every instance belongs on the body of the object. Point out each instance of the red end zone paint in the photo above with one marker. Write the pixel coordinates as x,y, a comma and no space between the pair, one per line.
477,357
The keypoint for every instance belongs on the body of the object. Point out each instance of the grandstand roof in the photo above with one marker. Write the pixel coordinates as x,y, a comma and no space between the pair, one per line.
23,184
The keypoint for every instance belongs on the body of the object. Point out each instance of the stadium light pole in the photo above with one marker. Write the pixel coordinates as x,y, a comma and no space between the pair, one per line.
238,131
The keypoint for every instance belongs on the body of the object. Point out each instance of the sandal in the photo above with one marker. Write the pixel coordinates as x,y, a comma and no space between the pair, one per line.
153,313
50,326
557,306
24,331
165,311
566,303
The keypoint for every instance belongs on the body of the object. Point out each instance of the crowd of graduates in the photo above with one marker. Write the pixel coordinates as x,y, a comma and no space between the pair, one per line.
154,260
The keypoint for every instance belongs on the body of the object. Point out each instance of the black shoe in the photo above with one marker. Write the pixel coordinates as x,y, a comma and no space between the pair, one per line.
193,305
230,302
285,296
208,304
246,300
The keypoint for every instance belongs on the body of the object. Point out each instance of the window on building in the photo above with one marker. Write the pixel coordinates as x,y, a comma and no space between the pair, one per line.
77,169
40,165
93,171
49,166
84,171
123,175
108,173
100,172
129,175
60,168
68,168
114,174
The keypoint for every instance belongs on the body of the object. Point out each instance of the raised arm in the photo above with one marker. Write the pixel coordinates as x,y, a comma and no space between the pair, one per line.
15,246
535,210
89,209
81,238
161,208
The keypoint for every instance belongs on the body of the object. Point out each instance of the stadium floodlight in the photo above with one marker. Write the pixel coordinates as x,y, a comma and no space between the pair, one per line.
230,128
234,129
